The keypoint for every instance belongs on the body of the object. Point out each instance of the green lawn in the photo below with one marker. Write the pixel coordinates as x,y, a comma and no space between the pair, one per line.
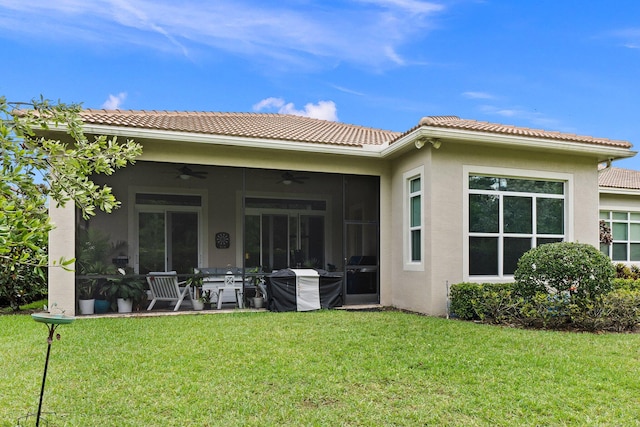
327,368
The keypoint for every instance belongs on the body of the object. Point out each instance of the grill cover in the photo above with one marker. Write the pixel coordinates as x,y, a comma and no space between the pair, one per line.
303,290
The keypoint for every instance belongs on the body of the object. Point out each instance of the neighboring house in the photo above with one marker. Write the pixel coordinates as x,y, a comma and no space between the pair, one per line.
620,209
447,201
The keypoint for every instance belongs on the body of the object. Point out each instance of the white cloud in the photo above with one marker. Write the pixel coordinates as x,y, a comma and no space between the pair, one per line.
478,95
114,101
521,115
324,110
268,103
368,33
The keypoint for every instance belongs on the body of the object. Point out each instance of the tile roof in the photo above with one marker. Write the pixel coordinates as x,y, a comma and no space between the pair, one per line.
454,122
250,125
286,127
619,178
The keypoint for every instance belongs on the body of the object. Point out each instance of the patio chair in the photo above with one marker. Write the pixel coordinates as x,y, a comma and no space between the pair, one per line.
165,287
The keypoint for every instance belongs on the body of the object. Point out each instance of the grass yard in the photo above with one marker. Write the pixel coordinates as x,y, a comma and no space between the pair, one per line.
326,368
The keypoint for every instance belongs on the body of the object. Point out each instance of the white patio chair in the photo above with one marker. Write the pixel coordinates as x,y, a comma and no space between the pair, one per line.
233,285
165,287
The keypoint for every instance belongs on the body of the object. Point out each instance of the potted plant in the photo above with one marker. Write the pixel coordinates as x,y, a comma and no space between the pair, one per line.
86,296
93,253
205,298
198,299
126,291
257,280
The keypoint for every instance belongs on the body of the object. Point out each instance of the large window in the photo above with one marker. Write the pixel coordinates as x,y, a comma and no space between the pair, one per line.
509,216
625,230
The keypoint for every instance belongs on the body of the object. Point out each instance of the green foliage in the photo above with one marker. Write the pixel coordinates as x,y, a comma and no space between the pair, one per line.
622,309
126,288
497,303
618,310
34,168
566,269
463,299
489,302
629,284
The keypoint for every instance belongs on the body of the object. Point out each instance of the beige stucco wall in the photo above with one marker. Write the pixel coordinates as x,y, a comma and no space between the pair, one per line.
444,211
623,202
61,245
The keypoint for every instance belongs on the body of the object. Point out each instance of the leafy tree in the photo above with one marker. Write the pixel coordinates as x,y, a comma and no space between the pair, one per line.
36,168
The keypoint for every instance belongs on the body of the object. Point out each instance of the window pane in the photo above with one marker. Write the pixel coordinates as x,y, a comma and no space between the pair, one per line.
619,231
483,213
604,215
415,211
619,252
483,256
634,216
151,238
517,214
415,246
619,215
550,216
635,231
415,185
531,186
635,252
483,183
514,248
544,240
604,248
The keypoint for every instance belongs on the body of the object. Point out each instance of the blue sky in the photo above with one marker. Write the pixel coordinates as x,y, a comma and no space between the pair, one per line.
566,65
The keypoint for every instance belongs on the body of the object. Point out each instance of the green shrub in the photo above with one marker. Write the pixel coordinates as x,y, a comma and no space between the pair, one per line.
545,311
628,284
463,298
496,303
566,269
490,302
622,309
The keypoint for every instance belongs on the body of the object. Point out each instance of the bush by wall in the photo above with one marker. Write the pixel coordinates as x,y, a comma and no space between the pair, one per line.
565,269
618,310
489,302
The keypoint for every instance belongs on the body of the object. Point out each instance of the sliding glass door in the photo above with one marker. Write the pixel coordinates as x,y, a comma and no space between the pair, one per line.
168,240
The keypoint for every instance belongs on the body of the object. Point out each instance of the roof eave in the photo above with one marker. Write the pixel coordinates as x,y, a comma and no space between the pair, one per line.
619,191
602,152
373,151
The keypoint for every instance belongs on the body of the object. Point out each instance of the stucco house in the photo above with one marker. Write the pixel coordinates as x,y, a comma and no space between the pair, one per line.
620,209
447,201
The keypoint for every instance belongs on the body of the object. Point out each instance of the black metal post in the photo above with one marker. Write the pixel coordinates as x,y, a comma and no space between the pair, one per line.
52,328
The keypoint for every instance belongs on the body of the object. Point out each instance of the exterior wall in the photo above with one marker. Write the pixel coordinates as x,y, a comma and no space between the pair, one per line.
622,202
444,211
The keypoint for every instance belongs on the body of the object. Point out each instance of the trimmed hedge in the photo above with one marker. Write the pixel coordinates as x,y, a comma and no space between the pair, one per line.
618,310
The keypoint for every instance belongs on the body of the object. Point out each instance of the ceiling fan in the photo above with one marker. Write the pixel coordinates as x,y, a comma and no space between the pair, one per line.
287,178
185,172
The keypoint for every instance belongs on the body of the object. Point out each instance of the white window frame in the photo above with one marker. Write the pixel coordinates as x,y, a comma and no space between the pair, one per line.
628,211
134,209
469,170
407,178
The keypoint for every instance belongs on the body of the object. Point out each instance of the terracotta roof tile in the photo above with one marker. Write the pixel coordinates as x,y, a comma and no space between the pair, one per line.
454,122
251,125
619,178
304,129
